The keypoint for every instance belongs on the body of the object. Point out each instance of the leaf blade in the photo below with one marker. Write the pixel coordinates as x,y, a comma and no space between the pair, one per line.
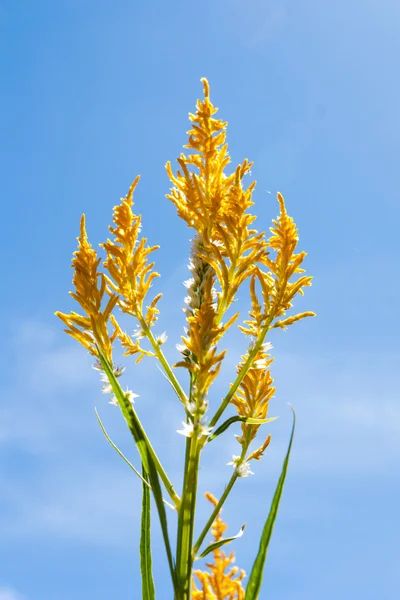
238,419
122,455
220,543
255,580
147,456
148,591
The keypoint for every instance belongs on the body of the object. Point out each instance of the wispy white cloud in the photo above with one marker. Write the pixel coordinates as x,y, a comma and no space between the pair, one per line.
9,594
93,503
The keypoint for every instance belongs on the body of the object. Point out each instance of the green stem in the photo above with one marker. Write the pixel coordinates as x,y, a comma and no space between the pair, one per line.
221,501
136,428
186,514
243,371
161,357
214,513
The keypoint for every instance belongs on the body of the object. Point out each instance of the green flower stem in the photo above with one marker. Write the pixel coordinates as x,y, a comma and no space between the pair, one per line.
161,357
214,513
221,501
243,371
186,514
136,428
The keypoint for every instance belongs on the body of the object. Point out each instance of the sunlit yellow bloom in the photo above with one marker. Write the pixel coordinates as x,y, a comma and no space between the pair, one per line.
215,204
277,290
277,286
131,274
90,286
217,584
252,397
225,248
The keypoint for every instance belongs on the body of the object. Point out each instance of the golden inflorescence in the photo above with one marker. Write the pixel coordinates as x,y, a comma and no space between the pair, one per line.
226,252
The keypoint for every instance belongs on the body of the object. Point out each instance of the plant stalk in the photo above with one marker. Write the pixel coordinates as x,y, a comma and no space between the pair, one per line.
136,428
243,371
186,518
165,365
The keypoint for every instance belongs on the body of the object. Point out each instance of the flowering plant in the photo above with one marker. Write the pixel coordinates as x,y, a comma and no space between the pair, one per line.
227,254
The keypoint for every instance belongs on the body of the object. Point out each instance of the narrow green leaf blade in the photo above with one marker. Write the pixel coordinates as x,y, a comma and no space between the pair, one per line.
148,591
146,455
122,455
220,543
117,449
255,580
156,488
238,419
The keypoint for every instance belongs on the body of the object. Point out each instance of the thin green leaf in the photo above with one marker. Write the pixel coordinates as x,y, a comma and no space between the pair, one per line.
220,543
156,488
124,457
169,380
237,419
255,580
148,591
147,455
118,450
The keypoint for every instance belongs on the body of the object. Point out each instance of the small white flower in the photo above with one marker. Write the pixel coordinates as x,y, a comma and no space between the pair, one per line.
187,430
161,339
191,407
203,428
188,283
267,346
251,345
130,396
261,363
243,469
181,348
234,461
118,370
106,388
138,334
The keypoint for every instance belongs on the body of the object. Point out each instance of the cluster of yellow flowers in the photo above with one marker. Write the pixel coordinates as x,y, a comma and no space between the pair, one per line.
226,252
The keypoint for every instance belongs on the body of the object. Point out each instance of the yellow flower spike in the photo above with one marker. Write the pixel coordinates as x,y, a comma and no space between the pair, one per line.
226,247
219,584
130,346
91,329
130,272
257,454
287,263
216,204
254,393
255,390
276,288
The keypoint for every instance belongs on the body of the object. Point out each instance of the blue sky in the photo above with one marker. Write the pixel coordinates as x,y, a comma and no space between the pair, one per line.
94,93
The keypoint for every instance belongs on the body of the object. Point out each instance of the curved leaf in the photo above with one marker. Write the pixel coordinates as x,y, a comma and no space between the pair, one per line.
128,462
220,543
237,419
149,458
255,580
